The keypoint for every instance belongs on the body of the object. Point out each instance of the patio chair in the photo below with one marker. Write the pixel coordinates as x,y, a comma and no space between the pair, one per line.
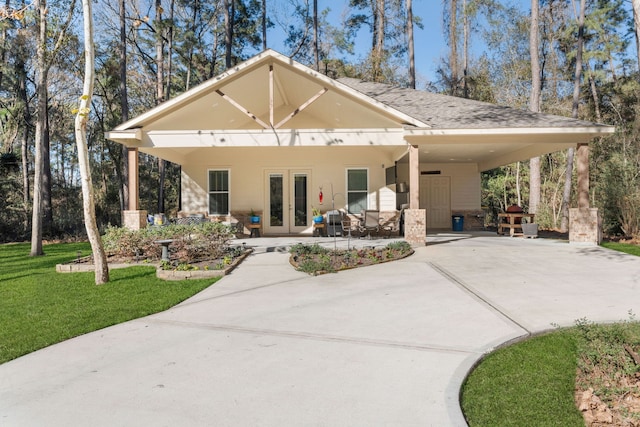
370,222
393,226
349,227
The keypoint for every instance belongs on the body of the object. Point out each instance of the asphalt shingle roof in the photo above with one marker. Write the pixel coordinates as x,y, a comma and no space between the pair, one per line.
450,112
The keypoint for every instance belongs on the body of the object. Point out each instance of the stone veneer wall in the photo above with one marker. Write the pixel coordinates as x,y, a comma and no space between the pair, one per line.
585,226
415,226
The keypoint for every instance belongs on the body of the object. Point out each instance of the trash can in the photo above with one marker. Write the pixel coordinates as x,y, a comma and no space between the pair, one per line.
457,222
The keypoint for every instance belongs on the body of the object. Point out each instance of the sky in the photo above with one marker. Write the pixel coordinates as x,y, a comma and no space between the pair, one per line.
429,42
430,45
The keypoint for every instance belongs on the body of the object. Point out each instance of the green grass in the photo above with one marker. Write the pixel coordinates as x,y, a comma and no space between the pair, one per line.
532,383
623,247
39,307
527,384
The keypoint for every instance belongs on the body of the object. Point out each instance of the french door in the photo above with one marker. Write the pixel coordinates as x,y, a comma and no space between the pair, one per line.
287,209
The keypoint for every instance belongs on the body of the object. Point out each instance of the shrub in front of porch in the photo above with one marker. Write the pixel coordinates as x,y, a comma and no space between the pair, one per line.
191,242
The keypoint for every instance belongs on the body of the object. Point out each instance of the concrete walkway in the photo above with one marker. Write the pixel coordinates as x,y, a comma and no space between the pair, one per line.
386,345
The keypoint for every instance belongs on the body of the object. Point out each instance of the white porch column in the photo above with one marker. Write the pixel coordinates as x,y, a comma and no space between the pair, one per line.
415,219
134,218
585,223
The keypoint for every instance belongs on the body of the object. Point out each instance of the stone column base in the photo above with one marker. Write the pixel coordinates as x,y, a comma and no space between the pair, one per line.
134,220
585,226
415,226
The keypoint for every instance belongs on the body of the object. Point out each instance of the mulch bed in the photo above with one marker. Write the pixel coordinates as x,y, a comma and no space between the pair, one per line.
339,260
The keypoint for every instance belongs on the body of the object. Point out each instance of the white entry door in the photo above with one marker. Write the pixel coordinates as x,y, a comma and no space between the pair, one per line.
435,197
287,203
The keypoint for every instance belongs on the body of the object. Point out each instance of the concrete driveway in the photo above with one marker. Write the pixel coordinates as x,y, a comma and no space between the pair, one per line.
387,345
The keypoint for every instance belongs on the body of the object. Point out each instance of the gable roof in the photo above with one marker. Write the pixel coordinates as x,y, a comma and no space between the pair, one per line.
450,112
263,93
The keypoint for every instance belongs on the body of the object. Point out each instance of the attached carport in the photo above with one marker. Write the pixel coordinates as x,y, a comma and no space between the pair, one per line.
464,131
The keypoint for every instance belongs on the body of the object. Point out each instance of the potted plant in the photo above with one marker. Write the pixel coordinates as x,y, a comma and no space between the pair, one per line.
317,215
255,218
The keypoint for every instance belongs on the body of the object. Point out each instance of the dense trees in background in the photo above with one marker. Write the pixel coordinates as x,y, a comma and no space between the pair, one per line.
148,51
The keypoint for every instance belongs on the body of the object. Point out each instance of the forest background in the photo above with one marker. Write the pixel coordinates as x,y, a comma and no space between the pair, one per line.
148,51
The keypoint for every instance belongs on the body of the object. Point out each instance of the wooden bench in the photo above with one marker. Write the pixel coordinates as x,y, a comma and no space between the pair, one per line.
509,220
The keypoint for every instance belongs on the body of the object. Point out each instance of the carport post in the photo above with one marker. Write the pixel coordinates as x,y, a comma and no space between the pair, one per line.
583,175
414,177
585,223
415,219
133,218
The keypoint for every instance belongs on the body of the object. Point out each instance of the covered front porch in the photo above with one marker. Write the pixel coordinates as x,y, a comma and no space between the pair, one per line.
271,136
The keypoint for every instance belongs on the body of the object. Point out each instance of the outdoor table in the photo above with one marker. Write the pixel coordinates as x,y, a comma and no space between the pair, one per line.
508,220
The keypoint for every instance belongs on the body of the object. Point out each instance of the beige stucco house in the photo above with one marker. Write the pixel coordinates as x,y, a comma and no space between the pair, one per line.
270,134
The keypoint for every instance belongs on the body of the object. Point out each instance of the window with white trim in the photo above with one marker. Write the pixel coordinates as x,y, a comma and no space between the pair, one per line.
219,192
357,190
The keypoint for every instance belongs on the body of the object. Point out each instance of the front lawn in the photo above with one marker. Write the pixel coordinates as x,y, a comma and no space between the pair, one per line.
527,384
39,307
623,247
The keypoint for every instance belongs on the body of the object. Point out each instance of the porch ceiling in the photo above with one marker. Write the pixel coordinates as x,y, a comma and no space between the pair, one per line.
492,148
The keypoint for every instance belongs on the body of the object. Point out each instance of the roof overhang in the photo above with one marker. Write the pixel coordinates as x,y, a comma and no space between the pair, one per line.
490,148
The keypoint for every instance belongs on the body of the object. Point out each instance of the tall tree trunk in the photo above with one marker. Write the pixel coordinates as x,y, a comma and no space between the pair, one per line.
264,24
25,123
412,59
24,151
636,22
41,109
160,94
82,117
229,10
566,196
378,41
159,53
594,93
3,44
191,46
47,181
315,35
42,70
124,105
170,50
534,103
453,45
465,49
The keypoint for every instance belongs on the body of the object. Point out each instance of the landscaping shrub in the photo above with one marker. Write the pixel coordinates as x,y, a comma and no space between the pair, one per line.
315,259
191,242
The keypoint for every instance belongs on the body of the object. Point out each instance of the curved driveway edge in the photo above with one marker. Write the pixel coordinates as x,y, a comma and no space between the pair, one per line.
383,345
